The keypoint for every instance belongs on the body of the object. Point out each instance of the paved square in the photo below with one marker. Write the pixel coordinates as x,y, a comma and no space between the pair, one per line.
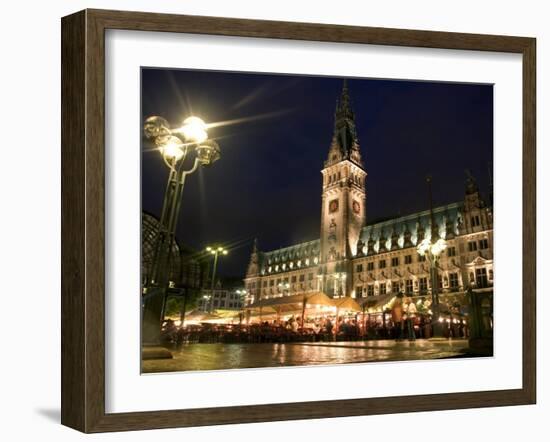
231,356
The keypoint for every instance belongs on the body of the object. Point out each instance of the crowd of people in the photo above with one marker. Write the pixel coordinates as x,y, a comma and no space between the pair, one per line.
400,322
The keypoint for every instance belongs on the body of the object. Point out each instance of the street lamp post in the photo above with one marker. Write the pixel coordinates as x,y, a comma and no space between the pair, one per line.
215,251
432,249
241,294
175,145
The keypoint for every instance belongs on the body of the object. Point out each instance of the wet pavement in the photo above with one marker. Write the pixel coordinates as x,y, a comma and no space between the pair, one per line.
230,356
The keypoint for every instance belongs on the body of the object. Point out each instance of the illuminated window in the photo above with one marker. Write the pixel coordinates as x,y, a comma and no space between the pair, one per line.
423,285
453,280
481,277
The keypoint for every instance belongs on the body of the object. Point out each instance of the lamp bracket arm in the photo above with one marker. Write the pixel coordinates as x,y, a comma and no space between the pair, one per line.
190,171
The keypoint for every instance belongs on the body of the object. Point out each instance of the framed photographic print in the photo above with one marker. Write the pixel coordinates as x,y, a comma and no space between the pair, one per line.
268,221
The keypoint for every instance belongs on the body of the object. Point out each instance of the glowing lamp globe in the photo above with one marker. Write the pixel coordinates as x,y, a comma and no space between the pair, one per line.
194,130
423,247
438,247
208,152
172,148
155,127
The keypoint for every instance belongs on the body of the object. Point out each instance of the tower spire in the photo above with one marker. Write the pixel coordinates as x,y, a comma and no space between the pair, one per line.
345,143
344,100
343,105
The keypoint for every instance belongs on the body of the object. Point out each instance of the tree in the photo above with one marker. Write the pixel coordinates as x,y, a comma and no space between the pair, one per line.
181,304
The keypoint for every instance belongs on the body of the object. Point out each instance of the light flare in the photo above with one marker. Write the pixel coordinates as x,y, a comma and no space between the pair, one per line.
194,130
248,119
172,148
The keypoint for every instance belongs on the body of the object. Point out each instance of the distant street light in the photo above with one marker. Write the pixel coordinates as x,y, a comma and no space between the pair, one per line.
241,294
174,144
215,251
432,249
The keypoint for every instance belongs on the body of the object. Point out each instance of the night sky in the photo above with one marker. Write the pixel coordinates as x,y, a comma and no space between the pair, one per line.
267,183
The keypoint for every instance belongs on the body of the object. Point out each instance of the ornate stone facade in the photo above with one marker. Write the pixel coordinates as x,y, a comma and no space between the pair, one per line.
353,258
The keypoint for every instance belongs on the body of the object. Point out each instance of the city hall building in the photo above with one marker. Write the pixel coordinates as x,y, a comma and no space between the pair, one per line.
355,259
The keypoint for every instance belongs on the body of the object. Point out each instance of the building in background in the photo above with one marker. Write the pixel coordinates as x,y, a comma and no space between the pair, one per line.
355,259
228,295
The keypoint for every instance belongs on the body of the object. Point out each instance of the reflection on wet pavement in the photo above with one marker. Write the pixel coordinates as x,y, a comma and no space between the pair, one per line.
231,356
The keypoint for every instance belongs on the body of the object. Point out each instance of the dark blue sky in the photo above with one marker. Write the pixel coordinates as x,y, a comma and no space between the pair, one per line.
267,183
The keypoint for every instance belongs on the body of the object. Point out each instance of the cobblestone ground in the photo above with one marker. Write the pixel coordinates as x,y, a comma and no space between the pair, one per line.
229,356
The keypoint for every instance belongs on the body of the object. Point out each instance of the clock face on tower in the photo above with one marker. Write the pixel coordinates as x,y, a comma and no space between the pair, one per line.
356,207
333,206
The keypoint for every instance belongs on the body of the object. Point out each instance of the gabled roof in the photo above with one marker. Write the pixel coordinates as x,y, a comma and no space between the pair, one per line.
445,217
296,251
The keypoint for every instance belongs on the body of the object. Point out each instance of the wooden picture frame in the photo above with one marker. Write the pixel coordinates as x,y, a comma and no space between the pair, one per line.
83,220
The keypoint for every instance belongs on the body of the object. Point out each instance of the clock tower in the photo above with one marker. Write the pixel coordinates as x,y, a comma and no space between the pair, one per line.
343,201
